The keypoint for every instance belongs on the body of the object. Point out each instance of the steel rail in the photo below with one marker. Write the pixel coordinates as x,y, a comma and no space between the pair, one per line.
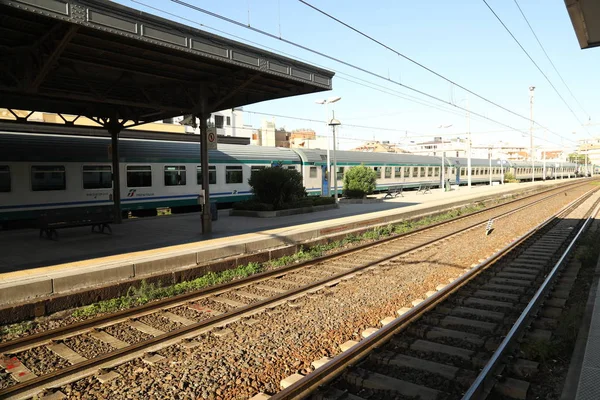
28,341
33,385
485,381
338,364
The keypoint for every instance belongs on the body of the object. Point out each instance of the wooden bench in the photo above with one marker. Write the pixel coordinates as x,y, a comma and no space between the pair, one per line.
424,188
98,218
393,191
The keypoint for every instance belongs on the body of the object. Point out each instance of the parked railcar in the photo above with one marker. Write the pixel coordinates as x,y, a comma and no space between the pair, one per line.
55,171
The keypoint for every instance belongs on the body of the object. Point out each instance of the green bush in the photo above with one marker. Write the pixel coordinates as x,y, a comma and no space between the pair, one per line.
509,177
359,181
277,186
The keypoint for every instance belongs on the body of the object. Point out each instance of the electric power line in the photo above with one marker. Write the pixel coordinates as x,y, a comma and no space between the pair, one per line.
421,65
551,63
534,63
232,21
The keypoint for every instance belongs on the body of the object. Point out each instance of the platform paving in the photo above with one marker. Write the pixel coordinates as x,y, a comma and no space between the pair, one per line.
146,246
584,371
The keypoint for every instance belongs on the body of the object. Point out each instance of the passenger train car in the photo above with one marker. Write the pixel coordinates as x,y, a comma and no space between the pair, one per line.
41,171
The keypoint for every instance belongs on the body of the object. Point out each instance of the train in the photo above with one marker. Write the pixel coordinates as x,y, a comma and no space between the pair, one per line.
40,171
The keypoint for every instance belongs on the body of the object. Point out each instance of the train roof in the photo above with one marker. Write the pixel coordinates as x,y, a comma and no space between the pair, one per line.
319,157
59,148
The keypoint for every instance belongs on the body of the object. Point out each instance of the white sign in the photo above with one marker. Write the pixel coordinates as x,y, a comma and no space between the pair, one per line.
212,141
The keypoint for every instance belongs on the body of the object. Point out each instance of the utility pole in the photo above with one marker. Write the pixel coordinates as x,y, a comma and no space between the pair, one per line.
468,146
531,89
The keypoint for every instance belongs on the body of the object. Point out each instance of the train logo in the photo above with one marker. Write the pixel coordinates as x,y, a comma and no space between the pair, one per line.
131,192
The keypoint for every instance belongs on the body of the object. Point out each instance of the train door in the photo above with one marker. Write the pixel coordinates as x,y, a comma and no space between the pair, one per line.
324,181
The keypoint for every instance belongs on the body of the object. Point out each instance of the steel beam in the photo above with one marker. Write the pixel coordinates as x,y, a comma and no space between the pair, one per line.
206,216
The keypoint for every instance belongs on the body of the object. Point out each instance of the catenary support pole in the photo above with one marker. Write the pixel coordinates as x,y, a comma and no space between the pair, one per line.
114,128
206,217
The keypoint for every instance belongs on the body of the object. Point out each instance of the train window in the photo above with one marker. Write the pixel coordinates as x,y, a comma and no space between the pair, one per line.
254,168
313,172
430,171
4,178
97,177
212,175
139,176
291,167
436,171
233,174
175,175
48,177
397,172
388,172
422,173
462,172
415,172
340,173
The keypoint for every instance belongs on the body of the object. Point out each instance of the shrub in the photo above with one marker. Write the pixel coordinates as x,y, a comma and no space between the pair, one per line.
359,181
509,177
277,186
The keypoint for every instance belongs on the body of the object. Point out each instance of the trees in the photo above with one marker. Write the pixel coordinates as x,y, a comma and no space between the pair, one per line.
277,186
359,181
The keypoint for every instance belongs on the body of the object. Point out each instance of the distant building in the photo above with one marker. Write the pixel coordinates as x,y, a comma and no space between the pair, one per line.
379,147
452,147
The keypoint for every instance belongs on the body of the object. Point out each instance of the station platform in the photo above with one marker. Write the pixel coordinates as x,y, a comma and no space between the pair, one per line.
31,267
584,371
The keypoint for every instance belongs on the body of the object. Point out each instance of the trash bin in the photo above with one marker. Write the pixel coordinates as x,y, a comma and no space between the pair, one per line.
214,212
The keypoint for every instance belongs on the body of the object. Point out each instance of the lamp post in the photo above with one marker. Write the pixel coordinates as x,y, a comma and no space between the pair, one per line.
468,143
327,102
333,123
531,89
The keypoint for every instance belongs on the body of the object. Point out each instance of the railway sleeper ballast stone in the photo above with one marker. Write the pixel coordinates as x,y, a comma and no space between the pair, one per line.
330,393
462,311
555,302
515,298
539,335
505,288
524,368
525,271
514,388
483,303
140,326
109,339
426,346
371,380
433,333
471,323
545,323
512,282
513,275
401,360
67,353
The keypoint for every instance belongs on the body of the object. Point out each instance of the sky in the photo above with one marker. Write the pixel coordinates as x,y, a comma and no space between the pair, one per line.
461,40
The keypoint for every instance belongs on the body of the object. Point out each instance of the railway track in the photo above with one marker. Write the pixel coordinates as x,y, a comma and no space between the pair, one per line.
82,349
454,344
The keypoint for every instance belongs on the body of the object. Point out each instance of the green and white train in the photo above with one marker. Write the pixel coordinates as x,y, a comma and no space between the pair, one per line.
43,171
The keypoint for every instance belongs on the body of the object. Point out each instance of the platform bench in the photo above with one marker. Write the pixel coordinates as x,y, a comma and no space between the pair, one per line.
424,188
393,191
98,218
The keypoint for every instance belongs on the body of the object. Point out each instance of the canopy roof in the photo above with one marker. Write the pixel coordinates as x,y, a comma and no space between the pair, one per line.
101,59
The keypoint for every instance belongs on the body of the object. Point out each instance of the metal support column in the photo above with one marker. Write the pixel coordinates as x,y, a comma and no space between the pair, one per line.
206,217
114,128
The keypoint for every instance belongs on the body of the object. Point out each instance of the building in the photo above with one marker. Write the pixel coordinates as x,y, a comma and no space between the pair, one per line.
452,147
307,139
379,147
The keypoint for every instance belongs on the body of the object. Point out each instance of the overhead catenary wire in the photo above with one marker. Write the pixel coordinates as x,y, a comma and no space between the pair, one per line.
405,96
550,60
421,65
232,21
534,63
357,80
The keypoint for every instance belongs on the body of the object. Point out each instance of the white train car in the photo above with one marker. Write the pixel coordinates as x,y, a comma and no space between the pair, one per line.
39,172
